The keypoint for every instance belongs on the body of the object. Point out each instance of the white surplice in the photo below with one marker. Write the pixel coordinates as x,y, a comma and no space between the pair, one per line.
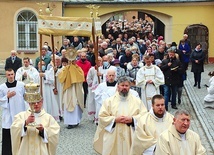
74,117
13,105
101,93
92,80
149,90
32,74
60,91
50,103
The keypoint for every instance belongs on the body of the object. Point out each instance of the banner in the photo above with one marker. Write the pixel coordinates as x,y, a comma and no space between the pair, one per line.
61,26
98,27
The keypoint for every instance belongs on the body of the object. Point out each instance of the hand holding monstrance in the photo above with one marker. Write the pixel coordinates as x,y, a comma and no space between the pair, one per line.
32,96
30,120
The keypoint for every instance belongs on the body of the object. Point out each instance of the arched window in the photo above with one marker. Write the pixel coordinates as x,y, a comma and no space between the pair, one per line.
27,31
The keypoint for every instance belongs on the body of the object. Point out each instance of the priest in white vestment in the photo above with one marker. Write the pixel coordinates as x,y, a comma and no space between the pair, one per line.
117,120
150,126
12,102
93,82
64,62
105,67
104,90
179,139
34,132
149,78
27,73
72,77
50,98
58,86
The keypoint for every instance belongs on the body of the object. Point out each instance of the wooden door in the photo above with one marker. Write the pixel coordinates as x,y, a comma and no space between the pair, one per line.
198,33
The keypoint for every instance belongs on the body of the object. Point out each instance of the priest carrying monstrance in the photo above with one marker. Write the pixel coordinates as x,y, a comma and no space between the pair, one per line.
34,131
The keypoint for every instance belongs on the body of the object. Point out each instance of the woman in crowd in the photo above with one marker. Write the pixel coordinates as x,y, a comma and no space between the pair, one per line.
197,58
132,69
148,51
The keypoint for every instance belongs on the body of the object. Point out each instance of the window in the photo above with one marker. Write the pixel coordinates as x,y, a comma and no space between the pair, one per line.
27,31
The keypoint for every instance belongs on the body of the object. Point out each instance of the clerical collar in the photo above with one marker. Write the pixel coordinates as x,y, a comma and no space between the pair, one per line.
183,136
111,84
123,98
153,114
37,113
135,66
26,68
10,85
148,66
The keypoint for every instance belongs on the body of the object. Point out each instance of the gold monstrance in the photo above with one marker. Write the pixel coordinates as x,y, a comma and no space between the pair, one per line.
32,95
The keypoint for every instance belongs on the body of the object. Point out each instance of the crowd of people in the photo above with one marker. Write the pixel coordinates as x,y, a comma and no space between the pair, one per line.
126,92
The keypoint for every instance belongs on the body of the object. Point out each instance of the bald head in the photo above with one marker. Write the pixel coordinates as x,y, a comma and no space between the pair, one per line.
83,56
104,45
13,53
111,75
106,58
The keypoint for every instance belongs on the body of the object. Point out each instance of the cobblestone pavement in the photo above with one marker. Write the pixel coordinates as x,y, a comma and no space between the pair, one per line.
196,96
78,141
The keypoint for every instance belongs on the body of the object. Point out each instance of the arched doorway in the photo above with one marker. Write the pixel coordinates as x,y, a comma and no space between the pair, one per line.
198,33
159,26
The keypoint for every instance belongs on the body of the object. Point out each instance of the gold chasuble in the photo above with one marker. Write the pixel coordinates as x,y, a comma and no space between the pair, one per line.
171,142
71,74
72,77
32,143
119,140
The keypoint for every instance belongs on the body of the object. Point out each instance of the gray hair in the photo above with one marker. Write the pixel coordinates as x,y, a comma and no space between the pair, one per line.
110,71
128,50
173,48
57,57
123,79
130,39
13,51
170,50
44,48
180,112
104,43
